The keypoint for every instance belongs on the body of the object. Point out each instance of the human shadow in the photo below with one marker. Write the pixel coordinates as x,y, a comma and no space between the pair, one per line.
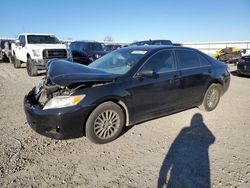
186,164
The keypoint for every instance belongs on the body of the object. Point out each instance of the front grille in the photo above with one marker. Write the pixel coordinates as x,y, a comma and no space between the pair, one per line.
54,53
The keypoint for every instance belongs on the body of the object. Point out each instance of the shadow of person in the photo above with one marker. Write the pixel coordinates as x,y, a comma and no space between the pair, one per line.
187,162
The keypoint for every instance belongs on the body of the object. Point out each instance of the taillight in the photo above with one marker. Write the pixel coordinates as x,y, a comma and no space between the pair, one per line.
242,61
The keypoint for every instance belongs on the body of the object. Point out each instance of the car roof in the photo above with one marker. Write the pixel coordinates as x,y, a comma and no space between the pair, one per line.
85,41
157,47
36,34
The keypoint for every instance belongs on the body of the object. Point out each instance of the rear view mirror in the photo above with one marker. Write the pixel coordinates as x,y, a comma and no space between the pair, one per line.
146,73
17,42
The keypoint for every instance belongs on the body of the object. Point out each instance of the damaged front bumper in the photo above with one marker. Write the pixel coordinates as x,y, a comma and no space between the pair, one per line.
63,123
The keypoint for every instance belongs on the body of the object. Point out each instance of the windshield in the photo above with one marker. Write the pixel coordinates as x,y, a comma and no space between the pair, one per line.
118,62
95,47
42,39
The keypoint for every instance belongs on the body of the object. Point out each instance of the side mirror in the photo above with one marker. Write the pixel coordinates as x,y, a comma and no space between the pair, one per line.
17,42
146,73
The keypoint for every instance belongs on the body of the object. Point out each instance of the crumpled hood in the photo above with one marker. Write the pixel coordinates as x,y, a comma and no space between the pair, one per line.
66,73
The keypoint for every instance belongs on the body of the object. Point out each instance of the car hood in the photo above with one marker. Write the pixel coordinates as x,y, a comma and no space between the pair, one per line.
66,73
47,46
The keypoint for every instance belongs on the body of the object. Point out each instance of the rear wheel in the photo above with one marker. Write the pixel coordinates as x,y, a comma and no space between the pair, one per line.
211,98
105,123
31,69
16,63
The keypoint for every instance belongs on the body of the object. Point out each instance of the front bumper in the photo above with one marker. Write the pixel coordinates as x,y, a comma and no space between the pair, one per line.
64,123
42,63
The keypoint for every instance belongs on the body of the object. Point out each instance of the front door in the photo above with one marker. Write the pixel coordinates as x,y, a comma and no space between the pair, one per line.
157,94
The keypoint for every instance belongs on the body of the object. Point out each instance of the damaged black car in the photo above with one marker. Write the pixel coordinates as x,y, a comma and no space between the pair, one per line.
124,87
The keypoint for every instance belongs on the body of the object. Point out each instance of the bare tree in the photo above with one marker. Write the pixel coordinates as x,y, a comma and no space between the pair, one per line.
108,38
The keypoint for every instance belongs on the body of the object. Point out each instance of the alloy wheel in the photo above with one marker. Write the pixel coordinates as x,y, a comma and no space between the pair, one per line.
106,124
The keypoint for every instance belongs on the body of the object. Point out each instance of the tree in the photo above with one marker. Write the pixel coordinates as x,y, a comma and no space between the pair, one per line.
108,38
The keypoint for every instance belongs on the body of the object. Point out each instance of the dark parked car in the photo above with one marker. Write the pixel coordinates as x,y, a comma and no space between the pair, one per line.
112,47
85,52
5,46
125,87
152,42
243,66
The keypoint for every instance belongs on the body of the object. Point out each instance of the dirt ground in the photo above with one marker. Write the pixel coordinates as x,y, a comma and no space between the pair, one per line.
213,147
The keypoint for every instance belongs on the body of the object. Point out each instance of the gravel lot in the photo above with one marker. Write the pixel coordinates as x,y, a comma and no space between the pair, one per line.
196,152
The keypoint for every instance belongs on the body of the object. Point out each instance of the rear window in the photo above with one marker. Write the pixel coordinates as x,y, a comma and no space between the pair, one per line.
187,59
95,46
204,62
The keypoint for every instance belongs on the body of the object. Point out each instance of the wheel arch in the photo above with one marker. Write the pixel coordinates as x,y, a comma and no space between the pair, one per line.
120,103
218,82
214,81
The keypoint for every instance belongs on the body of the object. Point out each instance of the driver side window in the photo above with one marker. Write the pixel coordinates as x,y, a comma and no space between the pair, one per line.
22,40
160,62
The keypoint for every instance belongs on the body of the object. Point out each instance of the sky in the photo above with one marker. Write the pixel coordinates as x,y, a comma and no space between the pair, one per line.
129,20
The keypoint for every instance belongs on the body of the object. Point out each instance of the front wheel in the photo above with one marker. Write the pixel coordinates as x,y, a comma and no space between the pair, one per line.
211,98
17,62
105,123
31,69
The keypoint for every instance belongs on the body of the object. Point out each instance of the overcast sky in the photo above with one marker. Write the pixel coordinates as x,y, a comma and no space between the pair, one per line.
129,20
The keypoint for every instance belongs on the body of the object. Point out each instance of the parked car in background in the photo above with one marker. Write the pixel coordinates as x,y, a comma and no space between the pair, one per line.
85,52
112,47
36,50
5,52
243,66
230,54
152,42
124,87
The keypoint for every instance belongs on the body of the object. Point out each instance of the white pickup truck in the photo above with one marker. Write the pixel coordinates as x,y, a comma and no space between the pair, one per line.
36,50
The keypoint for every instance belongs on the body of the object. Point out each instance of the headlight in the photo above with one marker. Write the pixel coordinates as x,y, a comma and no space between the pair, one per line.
63,101
37,53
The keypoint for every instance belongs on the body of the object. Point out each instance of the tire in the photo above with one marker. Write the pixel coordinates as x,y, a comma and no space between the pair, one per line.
16,63
11,60
105,123
31,69
211,98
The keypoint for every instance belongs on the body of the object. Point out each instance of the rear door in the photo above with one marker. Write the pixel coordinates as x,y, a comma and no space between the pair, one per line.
195,73
158,94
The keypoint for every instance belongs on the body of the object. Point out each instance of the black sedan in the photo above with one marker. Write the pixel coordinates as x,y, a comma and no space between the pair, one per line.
243,66
124,87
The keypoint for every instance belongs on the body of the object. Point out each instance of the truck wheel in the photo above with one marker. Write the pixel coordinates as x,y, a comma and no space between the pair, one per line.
211,98
31,69
16,63
11,60
105,123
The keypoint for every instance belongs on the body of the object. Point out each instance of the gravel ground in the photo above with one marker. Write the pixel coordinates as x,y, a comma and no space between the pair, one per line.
173,148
